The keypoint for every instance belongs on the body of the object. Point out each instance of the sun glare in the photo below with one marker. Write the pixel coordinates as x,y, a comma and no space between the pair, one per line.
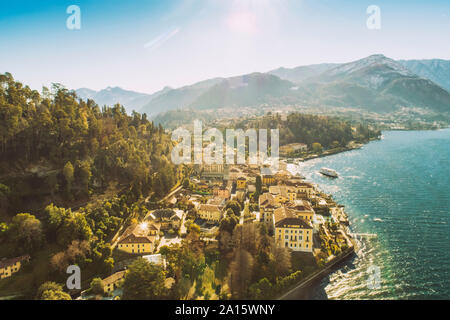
143,225
249,16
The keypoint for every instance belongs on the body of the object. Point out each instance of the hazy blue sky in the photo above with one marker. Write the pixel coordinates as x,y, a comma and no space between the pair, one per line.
146,45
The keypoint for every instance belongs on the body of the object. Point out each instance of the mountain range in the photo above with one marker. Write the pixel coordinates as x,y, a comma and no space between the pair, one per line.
131,100
375,83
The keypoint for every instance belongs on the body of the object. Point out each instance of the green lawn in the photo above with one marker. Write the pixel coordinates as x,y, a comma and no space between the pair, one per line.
303,261
25,282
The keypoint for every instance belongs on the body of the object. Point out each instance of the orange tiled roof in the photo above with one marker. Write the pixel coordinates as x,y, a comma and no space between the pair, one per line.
292,221
132,238
266,199
114,277
9,262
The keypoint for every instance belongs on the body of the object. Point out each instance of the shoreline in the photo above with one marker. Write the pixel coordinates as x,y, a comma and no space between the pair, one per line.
329,152
329,286
302,290
356,146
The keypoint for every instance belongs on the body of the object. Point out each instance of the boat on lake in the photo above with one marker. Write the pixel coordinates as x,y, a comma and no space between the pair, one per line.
329,172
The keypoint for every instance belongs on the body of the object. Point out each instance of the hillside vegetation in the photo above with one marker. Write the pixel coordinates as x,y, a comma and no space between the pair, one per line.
57,153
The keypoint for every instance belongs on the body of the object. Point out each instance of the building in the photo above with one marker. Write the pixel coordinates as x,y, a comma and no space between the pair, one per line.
305,190
213,171
210,212
113,281
292,232
217,201
137,244
293,148
266,207
282,176
10,266
294,181
222,193
251,188
139,238
153,229
283,194
241,183
167,218
268,179
302,209
299,147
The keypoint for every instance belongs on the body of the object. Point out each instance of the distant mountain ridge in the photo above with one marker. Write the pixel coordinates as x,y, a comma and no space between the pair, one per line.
375,83
437,70
251,89
301,73
131,100
178,98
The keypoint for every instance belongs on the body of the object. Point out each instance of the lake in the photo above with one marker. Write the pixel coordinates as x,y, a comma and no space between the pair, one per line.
398,188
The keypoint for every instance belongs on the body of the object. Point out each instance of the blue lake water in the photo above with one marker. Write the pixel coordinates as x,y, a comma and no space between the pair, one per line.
398,188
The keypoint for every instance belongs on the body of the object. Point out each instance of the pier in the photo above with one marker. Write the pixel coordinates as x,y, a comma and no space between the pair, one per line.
363,235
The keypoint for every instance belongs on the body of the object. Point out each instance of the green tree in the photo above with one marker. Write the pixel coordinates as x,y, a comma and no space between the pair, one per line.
317,147
97,286
68,175
51,291
55,295
144,281
229,222
26,233
258,185
84,172
235,206
261,290
240,273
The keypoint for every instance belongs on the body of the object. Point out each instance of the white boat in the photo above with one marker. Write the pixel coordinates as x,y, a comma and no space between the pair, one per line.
329,172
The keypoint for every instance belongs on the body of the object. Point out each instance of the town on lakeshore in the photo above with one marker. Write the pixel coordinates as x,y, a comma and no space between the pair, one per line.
215,155
295,214
98,210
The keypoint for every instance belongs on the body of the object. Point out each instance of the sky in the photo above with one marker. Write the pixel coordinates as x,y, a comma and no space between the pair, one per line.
147,45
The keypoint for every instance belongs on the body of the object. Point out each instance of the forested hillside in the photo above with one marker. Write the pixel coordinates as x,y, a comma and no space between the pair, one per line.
55,145
309,129
78,172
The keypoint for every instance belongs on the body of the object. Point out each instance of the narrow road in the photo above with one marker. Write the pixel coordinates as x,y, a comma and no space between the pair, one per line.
168,196
241,218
